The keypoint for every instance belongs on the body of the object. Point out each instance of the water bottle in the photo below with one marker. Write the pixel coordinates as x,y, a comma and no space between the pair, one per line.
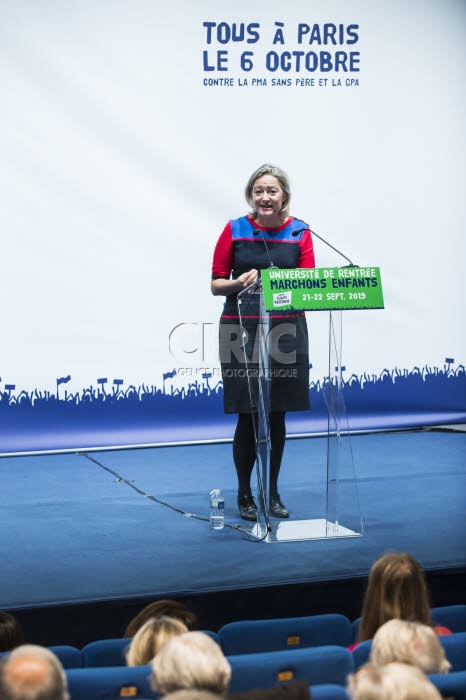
217,510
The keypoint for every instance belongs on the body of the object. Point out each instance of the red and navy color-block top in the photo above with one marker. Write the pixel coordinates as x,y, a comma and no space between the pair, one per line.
241,248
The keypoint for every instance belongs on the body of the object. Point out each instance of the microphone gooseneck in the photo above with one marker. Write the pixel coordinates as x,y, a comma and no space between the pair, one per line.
296,233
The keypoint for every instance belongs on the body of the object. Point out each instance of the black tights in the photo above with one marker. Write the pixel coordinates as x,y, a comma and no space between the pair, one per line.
244,448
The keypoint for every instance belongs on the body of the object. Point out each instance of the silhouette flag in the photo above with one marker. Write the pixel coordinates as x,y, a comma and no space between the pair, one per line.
169,375
63,380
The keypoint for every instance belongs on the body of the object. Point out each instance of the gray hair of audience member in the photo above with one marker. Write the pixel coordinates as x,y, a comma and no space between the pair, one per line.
194,694
151,637
192,660
411,643
32,672
394,681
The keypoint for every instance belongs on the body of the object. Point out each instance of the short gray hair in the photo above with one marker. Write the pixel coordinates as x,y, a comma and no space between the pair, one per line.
16,686
394,681
194,694
191,660
411,643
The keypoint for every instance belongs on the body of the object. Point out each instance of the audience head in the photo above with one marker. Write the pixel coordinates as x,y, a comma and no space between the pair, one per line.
190,661
150,638
411,643
194,694
32,672
169,608
11,635
394,681
396,589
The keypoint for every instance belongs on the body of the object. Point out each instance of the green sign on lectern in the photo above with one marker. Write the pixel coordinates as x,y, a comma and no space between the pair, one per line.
322,288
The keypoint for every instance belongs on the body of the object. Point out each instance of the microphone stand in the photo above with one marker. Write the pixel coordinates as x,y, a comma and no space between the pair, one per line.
321,238
351,264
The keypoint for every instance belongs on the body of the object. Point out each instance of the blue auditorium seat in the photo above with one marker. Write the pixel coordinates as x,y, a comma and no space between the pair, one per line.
105,652
328,692
326,664
249,636
451,616
112,652
355,629
450,685
455,650
69,656
212,635
109,683
361,653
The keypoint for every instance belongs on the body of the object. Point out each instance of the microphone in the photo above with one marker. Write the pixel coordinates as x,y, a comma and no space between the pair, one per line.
307,228
256,233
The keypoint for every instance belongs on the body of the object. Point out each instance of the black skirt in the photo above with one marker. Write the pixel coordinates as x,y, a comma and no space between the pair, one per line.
287,358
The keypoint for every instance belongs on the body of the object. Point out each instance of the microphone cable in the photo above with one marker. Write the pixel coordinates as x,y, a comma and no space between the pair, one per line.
256,233
130,482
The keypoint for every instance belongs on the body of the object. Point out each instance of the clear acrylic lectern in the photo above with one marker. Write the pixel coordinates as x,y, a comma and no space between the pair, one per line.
326,506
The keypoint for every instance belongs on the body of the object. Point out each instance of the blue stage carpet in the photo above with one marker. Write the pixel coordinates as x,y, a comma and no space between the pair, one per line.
71,533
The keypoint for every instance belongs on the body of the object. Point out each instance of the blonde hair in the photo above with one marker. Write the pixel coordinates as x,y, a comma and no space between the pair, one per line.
282,177
190,661
394,681
411,643
150,638
396,589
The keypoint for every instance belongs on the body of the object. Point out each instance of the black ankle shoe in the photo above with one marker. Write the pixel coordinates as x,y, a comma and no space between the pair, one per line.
247,506
277,509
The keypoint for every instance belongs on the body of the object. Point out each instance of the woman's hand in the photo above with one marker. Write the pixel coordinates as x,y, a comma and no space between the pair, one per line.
227,287
247,278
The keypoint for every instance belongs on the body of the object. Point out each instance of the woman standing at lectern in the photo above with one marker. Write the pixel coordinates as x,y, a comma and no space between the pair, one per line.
266,237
